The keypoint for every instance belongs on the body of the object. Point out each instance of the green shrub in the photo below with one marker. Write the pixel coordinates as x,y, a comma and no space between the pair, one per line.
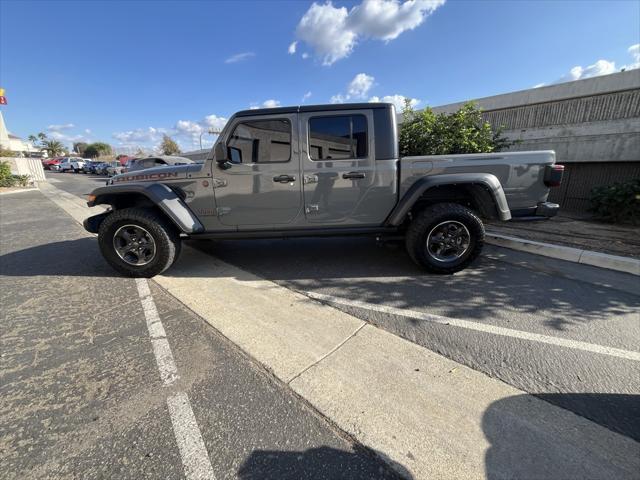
22,180
464,131
619,203
5,170
7,179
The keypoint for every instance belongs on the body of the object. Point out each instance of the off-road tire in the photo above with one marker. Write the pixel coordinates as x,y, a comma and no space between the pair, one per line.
165,235
427,219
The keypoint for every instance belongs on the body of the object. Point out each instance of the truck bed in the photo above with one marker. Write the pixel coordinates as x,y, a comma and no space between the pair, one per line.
521,174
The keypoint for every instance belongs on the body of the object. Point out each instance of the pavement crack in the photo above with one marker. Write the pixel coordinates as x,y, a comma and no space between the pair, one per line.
329,353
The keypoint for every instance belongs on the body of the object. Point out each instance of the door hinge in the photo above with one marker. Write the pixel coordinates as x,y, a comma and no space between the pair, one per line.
220,211
311,208
218,183
310,179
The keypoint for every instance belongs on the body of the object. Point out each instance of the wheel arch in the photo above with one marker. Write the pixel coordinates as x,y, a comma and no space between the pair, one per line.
156,195
481,192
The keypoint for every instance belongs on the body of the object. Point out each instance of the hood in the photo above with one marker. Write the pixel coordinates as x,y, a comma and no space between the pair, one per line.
163,173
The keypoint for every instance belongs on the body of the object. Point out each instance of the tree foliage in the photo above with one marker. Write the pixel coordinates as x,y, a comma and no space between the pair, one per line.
53,147
465,131
80,147
169,146
619,203
94,150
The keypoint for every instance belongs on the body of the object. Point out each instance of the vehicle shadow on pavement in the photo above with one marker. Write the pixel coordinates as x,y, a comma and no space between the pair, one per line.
70,258
317,463
530,441
359,269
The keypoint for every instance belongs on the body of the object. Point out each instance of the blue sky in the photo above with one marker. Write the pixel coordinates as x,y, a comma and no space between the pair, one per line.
126,72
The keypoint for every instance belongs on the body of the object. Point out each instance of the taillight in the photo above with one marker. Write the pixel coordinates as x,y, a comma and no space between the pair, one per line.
553,175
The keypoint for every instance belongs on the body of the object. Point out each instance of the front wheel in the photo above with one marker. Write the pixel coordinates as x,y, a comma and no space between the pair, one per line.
445,238
138,242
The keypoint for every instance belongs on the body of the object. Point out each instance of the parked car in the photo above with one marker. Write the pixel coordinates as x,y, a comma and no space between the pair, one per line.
48,163
101,168
159,161
71,164
78,165
315,171
90,166
114,168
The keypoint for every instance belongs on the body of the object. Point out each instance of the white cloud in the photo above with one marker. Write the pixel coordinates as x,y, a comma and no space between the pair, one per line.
305,55
185,132
324,28
292,48
333,32
62,133
360,85
387,19
214,122
339,98
271,103
305,97
358,88
634,51
601,67
397,100
139,135
58,128
239,57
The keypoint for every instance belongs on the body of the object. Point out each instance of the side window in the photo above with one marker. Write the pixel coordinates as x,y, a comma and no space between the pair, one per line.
339,137
260,141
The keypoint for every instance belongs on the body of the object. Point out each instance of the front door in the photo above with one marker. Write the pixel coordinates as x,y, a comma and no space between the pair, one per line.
338,163
260,185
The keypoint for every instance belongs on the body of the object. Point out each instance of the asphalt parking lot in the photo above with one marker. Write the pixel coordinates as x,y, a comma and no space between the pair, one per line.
569,334
80,388
522,293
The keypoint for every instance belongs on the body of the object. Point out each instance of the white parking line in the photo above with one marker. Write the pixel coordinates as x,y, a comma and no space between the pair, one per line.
193,451
195,458
481,327
159,342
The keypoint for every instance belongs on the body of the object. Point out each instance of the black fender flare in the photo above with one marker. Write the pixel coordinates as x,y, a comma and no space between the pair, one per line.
488,181
159,194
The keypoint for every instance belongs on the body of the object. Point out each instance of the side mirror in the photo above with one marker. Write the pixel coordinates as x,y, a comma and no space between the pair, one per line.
220,153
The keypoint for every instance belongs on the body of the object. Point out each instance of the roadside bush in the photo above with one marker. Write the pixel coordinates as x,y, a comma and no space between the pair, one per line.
619,203
464,131
5,170
9,180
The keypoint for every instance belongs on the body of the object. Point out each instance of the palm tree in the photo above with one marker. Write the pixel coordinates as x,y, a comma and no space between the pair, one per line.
42,136
53,147
33,139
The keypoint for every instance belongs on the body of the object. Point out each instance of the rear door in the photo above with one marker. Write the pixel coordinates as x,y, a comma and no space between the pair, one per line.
260,185
338,163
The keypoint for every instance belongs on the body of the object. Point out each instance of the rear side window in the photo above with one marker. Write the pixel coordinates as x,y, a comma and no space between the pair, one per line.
260,141
339,137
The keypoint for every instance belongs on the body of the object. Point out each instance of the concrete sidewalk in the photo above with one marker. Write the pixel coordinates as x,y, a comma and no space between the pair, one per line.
580,233
415,408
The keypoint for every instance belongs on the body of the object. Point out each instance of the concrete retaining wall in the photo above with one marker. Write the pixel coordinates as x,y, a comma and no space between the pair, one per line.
593,125
27,166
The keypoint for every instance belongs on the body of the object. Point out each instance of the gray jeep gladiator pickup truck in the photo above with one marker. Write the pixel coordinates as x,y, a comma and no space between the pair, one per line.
325,170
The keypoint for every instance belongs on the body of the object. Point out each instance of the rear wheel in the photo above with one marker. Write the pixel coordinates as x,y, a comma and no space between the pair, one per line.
445,238
138,242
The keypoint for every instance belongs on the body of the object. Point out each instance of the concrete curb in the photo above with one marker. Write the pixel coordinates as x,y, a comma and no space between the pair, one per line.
568,254
10,192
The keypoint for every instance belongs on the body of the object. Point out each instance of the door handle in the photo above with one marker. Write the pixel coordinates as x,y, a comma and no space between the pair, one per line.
284,178
353,175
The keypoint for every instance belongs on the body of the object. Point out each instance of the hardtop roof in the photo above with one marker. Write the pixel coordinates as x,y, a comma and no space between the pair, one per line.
312,108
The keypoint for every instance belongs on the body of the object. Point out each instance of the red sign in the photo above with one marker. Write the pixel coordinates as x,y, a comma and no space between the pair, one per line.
3,100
